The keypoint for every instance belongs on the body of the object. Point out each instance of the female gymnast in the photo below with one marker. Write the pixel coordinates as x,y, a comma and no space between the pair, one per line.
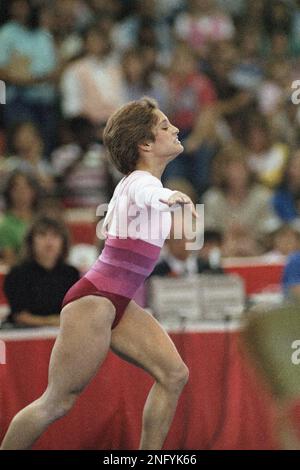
98,311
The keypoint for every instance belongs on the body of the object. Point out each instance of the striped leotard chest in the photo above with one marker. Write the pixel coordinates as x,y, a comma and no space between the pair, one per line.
126,261
123,265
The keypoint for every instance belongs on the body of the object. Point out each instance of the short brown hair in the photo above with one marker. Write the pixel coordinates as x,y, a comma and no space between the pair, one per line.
31,180
44,224
128,127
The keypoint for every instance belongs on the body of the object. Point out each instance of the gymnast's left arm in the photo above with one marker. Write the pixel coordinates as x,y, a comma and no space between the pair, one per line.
148,191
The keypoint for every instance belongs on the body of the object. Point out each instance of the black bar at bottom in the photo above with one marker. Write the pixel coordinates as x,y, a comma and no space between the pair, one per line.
136,459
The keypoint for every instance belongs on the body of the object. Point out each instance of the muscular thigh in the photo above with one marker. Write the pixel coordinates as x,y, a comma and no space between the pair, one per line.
82,343
141,340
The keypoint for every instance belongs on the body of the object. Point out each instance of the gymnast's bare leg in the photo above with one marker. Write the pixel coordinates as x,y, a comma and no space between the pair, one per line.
140,339
81,346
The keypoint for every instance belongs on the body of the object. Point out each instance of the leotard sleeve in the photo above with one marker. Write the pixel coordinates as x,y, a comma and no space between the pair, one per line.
146,191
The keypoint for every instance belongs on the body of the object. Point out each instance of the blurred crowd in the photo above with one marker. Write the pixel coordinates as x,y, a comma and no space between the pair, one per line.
222,70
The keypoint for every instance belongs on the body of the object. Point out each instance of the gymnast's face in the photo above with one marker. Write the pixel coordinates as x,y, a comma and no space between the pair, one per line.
166,142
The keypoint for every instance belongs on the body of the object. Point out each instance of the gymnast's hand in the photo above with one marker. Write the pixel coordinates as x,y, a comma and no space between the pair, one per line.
180,198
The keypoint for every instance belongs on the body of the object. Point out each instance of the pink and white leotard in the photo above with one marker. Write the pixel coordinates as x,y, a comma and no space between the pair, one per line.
136,226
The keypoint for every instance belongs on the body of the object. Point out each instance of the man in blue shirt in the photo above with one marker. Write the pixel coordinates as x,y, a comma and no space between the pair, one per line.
27,62
291,276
